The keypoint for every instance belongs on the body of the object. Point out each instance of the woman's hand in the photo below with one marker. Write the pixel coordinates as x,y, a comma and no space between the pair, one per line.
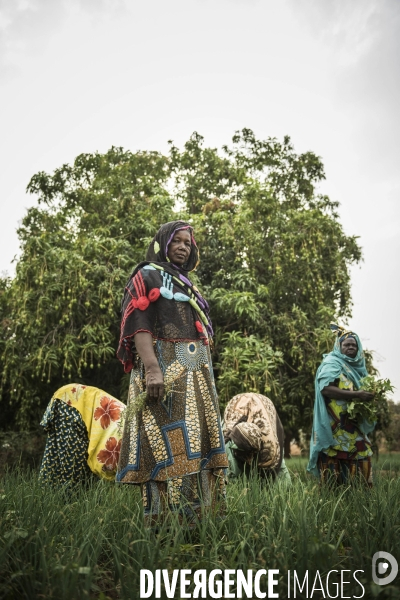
154,376
154,383
364,396
332,391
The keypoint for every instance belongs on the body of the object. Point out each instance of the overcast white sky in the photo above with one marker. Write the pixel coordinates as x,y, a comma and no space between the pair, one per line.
82,75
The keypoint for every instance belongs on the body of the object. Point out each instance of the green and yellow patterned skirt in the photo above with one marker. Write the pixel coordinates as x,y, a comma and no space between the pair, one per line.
174,449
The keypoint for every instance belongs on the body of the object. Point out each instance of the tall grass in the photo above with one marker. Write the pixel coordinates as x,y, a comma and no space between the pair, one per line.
91,542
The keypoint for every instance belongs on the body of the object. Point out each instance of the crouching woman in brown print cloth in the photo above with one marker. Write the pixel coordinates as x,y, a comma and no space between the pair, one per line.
172,443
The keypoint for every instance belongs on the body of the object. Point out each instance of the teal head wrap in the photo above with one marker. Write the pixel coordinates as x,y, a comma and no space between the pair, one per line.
332,366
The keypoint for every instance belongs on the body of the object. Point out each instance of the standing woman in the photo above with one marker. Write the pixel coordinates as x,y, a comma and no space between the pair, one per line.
340,448
172,444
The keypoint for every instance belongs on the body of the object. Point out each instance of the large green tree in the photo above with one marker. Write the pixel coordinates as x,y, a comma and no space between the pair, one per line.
274,264
61,319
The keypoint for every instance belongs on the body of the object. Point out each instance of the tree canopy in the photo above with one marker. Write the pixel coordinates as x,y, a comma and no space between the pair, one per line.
274,266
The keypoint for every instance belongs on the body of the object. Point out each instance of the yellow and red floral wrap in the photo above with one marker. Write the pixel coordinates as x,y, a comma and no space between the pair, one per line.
101,414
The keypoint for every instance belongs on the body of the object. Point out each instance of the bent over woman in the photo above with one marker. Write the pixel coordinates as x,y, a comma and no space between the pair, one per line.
254,437
83,437
172,443
340,448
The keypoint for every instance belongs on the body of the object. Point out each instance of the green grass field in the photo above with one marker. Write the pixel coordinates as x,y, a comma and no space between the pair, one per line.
91,543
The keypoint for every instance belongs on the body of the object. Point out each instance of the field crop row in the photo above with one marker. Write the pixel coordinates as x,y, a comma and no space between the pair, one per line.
91,542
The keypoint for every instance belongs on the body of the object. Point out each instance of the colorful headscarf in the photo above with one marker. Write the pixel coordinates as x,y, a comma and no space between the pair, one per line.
330,369
158,249
342,333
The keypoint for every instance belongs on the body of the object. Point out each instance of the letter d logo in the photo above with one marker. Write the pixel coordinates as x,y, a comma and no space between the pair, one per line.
383,567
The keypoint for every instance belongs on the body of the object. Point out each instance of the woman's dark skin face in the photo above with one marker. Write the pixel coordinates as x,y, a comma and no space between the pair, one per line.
179,247
349,347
